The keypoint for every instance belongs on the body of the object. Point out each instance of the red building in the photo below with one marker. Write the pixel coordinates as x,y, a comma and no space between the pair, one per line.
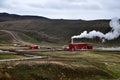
80,46
33,47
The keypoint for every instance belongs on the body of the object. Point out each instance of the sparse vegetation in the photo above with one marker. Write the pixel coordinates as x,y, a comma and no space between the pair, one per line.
9,56
79,65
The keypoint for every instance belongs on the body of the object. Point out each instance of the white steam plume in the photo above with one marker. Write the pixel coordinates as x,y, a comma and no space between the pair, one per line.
115,33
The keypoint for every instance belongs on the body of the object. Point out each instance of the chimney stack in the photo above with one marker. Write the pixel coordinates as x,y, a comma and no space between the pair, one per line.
72,41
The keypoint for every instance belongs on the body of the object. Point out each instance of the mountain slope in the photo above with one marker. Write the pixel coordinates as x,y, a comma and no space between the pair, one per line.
53,29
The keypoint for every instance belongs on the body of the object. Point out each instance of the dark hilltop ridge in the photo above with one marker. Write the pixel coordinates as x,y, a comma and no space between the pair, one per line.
13,17
50,30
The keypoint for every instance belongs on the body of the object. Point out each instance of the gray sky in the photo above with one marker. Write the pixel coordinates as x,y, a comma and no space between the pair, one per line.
64,9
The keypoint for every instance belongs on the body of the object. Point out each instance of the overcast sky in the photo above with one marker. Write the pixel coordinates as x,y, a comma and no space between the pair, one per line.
64,9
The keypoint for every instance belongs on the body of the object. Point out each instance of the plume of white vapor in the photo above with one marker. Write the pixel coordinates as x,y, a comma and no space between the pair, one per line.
114,33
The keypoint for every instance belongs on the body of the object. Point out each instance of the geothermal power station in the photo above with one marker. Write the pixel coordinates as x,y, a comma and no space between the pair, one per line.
114,33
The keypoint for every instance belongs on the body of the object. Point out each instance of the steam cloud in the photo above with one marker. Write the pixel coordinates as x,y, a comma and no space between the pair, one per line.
114,33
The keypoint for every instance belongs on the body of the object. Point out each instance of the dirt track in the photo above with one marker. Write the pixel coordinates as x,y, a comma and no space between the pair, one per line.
16,38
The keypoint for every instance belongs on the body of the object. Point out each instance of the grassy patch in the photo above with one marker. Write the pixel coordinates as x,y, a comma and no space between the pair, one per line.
78,65
107,61
50,71
9,56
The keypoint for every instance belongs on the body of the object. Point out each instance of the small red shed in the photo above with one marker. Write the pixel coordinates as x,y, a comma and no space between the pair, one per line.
33,47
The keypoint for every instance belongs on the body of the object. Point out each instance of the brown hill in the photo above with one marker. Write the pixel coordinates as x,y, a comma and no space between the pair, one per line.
43,29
